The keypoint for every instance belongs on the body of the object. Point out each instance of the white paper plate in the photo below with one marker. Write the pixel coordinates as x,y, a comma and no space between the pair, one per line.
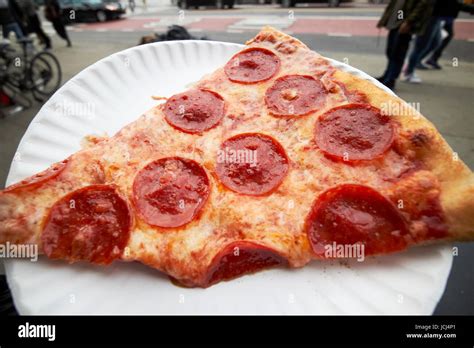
118,89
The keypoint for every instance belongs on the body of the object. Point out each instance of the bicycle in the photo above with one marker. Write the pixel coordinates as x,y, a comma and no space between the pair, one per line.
21,73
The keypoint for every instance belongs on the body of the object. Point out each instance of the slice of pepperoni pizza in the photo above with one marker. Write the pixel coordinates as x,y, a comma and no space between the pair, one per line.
269,161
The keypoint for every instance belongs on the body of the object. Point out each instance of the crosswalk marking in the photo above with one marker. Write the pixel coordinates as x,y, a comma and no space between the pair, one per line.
255,23
340,34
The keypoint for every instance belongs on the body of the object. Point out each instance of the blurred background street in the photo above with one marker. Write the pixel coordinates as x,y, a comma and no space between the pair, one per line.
347,33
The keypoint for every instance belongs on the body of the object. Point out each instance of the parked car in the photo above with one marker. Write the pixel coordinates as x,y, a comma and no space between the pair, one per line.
91,10
255,2
196,3
292,3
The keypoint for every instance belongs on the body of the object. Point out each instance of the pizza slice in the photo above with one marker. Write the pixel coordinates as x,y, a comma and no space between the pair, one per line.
272,160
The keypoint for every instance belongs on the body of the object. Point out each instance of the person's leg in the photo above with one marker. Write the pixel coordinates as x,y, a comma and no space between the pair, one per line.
433,40
391,38
15,27
449,27
61,30
36,28
58,29
414,56
5,31
8,28
24,28
31,26
421,43
398,57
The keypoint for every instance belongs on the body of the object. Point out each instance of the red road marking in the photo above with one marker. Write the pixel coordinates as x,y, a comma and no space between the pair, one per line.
463,30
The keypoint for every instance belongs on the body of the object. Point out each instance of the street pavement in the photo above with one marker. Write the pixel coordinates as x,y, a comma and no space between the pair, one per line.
249,18
347,34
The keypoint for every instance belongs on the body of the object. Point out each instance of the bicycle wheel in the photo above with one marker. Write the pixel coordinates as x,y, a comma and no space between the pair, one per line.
44,74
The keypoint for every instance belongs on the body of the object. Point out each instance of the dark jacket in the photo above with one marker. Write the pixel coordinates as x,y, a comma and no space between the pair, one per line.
415,12
52,10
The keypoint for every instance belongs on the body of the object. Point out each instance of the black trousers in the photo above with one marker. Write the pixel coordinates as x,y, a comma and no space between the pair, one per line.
397,48
34,26
60,28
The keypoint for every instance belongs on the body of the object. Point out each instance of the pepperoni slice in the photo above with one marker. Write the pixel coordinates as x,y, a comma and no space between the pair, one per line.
194,111
40,178
239,258
349,214
354,132
252,65
170,192
295,95
90,224
251,164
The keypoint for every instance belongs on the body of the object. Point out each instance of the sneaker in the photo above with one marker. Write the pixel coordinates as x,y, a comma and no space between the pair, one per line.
433,64
412,78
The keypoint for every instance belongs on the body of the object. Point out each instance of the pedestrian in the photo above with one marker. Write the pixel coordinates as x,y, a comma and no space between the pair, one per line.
422,45
30,17
8,19
52,12
131,4
144,5
447,11
402,18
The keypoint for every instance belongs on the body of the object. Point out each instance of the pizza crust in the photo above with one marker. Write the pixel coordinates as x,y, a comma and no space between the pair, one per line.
455,178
